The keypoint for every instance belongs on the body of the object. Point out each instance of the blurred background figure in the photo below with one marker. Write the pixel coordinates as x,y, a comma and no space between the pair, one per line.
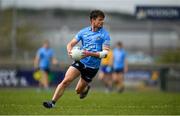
45,56
105,72
120,66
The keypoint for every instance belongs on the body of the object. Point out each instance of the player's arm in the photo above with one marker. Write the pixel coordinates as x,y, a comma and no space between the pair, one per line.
101,54
53,58
126,65
70,45
36,62
54,61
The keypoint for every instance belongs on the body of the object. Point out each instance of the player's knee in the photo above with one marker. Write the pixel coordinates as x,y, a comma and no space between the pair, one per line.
65,84
116,81
78,90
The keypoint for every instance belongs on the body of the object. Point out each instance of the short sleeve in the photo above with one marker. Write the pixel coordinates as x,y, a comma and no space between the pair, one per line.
106,40
78,36
38,53
125,54
52,53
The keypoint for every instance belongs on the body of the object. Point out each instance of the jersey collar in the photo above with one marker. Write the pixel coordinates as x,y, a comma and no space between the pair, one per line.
90,29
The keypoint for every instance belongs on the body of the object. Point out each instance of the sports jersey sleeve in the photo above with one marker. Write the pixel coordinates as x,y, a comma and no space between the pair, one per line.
38,53
78,36
125,54
106,40
52,53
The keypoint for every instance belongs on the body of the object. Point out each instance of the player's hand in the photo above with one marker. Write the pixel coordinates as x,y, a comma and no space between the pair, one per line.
54,61
69,53
86,53
103,54
36,69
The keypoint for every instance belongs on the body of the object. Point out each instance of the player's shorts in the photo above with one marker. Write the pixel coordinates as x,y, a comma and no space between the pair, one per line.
86,73
47,70
106,69
119,70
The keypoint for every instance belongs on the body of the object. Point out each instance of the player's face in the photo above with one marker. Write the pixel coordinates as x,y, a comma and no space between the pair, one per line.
46,45
98,22
119,46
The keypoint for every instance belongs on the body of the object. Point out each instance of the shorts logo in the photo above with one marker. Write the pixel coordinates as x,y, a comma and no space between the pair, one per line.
88,78
77,64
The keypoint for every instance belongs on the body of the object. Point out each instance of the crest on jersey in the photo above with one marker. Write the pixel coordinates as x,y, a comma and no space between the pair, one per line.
98,38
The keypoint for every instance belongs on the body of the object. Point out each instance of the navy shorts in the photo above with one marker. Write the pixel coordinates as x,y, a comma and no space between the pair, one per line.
86,73
47,70
106,69
120,70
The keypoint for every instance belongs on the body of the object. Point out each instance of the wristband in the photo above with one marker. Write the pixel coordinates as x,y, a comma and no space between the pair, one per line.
103,54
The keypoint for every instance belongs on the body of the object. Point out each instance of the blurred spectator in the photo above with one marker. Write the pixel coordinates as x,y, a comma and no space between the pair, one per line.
120,66
42,62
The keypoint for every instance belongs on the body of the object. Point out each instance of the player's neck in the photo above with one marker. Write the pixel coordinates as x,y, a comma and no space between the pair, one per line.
94,29
45,47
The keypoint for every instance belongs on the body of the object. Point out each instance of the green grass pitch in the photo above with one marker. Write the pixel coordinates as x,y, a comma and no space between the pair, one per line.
28,101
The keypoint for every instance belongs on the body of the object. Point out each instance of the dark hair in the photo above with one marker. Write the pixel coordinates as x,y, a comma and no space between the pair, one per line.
96,13
46,41
119,44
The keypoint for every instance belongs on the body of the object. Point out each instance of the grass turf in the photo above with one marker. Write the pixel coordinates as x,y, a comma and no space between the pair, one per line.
28,101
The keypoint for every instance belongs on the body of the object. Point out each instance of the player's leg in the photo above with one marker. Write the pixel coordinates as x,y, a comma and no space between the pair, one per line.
87,74
82,88
121,82
114,77
103,76
45,80
70,75
81,85
108,78
105,80
117,79
102,72
100,75
41,81
109,82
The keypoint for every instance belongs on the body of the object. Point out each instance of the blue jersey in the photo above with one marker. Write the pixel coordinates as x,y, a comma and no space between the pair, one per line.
45,55
119,56
92,41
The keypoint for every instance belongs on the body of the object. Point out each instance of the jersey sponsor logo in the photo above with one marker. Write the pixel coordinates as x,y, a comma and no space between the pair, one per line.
90,46
85,35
